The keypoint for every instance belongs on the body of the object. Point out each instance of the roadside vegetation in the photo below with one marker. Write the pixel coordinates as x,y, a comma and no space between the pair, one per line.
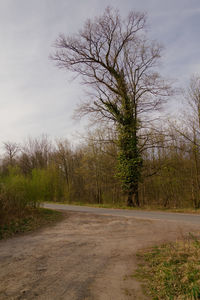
20,198
29,220
171,271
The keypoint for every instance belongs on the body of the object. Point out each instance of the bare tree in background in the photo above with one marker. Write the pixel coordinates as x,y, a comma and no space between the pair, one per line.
11,150
114,57
35,153
64,158
189,130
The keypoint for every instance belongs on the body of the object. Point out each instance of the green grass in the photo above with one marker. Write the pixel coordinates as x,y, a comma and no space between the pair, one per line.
32,219
171,271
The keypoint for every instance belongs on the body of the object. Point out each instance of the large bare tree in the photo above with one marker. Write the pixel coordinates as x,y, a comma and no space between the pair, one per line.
115,58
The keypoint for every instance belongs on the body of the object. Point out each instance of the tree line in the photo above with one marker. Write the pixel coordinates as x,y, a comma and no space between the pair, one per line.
43,170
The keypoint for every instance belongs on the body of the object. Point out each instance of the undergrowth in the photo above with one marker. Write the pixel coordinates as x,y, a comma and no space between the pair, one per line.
29,221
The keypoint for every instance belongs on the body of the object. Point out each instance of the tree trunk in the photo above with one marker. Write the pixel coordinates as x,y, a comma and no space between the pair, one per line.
130,200
133,197
129,161
136,198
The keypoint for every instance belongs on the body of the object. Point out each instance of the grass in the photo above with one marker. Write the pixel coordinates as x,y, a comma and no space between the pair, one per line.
31,219
123,206
103,205
171,271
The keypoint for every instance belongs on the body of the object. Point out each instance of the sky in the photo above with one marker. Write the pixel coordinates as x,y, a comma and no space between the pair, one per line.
38,98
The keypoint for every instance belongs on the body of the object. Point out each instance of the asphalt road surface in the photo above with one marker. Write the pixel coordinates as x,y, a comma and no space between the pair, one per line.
147,215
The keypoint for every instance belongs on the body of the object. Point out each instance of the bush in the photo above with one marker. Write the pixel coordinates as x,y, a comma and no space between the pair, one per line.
49,184
17,191
13,193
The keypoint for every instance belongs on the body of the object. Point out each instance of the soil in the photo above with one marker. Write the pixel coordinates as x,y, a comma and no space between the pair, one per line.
83,257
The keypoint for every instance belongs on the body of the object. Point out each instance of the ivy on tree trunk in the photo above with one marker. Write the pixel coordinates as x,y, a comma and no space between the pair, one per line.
129,162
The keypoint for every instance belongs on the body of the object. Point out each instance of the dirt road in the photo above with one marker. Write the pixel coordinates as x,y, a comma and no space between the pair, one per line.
84,257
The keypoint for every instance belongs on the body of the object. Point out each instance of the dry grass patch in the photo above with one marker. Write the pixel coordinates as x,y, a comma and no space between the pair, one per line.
29,220
171,271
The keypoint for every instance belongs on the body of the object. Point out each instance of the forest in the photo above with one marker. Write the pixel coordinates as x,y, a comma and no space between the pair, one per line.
132,156
44,170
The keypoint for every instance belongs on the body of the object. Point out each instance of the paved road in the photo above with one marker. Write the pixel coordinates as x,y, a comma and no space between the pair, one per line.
150,215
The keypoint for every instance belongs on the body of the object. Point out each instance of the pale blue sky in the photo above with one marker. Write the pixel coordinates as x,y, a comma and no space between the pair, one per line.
36,97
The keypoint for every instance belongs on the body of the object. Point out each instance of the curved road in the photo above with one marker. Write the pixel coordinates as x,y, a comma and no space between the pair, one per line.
148,215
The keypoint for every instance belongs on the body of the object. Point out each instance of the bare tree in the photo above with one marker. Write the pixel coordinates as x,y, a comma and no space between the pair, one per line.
35,153
11,150
64,158
118,62
190,132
